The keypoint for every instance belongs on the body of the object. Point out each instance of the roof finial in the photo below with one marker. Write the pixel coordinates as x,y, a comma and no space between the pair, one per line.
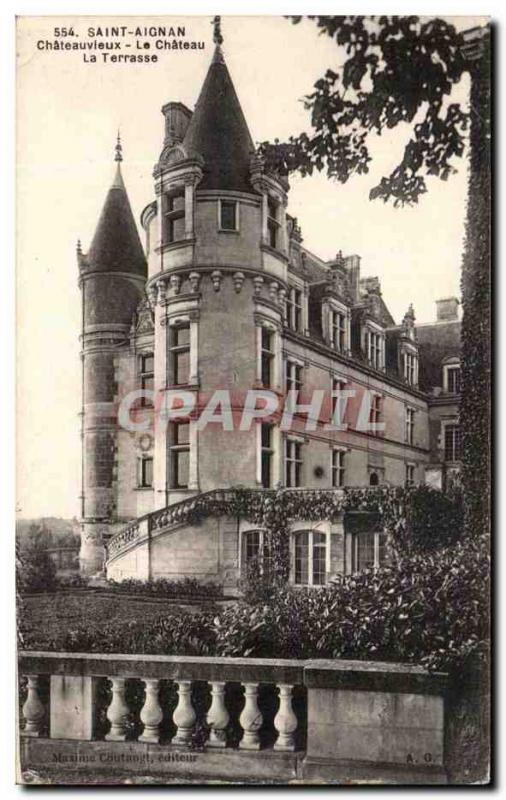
118,156
217,37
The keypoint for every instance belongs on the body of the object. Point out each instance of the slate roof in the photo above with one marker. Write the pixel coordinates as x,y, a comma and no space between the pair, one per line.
219,133
437,342
116,245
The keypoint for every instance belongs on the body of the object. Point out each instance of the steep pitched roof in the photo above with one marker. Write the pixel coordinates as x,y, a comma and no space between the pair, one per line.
116,245
219,133
437,342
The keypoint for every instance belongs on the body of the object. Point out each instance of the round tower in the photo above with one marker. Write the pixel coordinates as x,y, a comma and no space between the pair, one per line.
112,277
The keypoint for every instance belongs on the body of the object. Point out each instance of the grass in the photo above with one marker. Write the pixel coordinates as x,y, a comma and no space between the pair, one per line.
54,613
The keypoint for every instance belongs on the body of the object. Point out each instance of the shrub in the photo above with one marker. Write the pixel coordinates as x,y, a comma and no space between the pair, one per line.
35,569
161,587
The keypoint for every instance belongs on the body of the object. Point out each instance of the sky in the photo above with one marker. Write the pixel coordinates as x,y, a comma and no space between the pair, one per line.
68,113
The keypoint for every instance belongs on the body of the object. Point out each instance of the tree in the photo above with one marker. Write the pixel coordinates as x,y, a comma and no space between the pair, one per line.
402,70
35,569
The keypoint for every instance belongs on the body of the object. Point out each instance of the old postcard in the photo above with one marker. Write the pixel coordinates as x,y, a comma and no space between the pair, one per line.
253,271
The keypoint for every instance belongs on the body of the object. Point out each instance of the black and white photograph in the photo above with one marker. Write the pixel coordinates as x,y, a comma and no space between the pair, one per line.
253,400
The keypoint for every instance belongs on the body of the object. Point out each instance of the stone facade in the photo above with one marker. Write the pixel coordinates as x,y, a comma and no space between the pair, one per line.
228,298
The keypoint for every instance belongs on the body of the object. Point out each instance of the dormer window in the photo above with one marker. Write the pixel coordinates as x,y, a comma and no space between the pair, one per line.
451,378
338,331
375,348
229,215
294,309
174,216
273,225
410,367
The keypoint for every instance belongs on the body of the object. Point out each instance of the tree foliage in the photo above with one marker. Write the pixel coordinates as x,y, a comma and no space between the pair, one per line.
35,569
395,69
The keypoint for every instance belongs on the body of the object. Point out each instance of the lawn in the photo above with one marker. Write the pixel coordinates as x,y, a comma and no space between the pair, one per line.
57,612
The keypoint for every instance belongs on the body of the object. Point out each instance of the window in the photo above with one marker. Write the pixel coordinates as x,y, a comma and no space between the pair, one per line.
338,330
146,369
228,215
273,222
146,473
410,474
255,552
294,309
452,443
338,468
266,455
375,412
453,379
310,558
410,368
174,222
179,455
180,354
373,479
374,349
267,357
293,378
410,425
369,550
293,462
338,385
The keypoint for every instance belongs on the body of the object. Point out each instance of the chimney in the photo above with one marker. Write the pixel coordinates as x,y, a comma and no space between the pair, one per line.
447,309
177,118
352,264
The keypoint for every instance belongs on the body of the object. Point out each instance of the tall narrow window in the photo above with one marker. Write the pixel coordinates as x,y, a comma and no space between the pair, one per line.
273,222
410,368
146,369
338,386
338,467
267,357
375,413
293,462
180,354
179,455
146,472
453,380
252,548
410,425
293,379
228,215
410,474
338,331
452,443
375,349
369,550
310,558
266,455
294,309
174,211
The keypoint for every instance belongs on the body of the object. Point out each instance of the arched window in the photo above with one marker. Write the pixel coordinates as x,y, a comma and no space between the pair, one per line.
310,558
373,479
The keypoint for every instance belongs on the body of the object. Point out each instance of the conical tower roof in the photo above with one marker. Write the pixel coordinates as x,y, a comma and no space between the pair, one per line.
219,133
116,245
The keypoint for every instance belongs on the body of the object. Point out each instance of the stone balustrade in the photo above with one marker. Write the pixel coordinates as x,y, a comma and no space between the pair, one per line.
232,718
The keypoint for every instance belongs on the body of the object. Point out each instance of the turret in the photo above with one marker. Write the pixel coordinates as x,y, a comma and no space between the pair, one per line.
112,275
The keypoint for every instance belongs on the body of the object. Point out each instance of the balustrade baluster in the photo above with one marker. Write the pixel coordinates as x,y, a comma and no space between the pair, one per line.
151,712
184,715
217,716
117,713
251,719
33,710
285,720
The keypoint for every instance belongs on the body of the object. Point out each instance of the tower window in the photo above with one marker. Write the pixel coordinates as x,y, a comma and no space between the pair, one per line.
294,309
145,473
266,455
174,216
267,357
180,354
338,331
228,215
273,222
146,370
293,463
179,454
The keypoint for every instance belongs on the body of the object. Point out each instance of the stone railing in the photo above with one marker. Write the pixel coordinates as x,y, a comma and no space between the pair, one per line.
231,718
140,529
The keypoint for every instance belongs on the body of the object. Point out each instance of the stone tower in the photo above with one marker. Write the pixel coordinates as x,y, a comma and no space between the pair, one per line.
111,278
